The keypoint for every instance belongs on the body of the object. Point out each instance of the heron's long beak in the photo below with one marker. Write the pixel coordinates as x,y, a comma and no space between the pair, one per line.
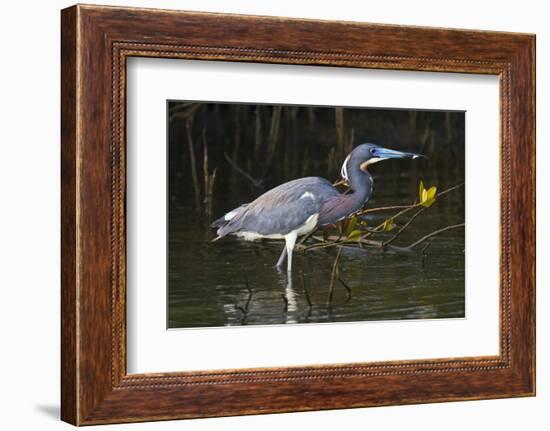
386,153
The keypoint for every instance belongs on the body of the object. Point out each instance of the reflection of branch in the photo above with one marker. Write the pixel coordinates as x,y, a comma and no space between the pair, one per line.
249,294
333,276
434,233
424,254
308,299
343,283
256,183
244,310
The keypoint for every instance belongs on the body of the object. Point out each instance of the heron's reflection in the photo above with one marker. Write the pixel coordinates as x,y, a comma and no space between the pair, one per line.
290,304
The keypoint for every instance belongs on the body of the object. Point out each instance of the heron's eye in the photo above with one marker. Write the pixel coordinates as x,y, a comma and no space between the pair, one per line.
372,150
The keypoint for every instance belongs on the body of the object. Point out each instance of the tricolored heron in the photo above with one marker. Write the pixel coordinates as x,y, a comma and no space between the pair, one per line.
300,206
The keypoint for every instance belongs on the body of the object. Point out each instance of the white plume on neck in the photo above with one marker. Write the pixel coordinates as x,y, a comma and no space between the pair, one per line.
344,170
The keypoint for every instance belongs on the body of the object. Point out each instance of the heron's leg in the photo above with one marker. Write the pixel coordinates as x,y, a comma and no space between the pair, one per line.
282,258
290,241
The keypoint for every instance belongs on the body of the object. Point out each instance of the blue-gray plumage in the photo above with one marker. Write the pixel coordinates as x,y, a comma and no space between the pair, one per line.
300,206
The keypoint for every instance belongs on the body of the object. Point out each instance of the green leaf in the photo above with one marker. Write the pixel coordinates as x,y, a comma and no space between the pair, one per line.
421,191
351,225
356,234
430,196
426,197
389,225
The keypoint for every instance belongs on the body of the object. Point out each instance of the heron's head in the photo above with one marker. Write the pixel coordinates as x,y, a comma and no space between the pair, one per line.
366,154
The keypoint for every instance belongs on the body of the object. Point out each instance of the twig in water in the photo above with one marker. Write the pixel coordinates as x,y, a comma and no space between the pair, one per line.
241,309
245,310
333,276
424,254
346,286
308,299
249,293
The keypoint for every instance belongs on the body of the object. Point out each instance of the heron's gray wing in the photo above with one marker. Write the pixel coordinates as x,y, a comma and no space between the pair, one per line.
282,209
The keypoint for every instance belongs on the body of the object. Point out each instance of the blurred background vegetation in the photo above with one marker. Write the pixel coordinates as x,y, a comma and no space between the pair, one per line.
256,147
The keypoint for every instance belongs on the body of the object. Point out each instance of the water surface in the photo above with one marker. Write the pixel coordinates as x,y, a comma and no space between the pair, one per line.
233,282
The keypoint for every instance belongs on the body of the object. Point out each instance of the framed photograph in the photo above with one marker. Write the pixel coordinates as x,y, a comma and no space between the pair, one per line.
264,214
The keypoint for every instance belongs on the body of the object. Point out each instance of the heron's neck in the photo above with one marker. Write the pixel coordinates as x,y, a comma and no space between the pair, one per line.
361,184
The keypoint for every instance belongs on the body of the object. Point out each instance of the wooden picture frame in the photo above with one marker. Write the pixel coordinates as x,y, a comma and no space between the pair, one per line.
96,41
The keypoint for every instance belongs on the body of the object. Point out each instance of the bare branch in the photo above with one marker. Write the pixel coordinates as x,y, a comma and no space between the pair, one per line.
434,233
256,183
405,226
194,175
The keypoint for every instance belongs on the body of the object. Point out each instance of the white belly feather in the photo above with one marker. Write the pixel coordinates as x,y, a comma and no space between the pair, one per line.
306,228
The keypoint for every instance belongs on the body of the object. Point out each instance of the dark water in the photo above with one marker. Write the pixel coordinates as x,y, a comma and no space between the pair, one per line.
207,282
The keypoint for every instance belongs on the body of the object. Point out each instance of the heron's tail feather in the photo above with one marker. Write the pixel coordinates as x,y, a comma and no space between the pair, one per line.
226,218
219,222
